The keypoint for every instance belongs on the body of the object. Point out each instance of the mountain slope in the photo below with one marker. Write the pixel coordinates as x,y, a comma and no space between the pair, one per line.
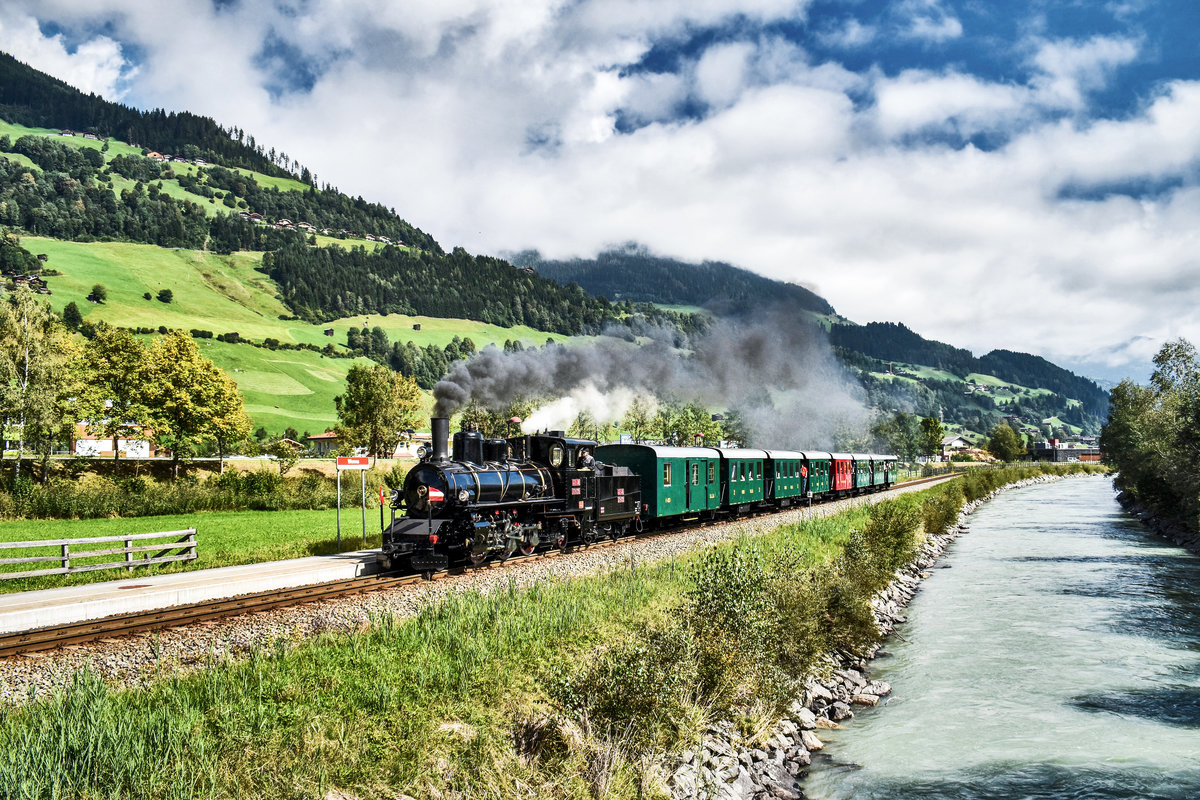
632,273
33,98
238,266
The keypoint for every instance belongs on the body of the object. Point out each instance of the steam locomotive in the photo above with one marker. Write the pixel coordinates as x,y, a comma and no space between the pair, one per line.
492,498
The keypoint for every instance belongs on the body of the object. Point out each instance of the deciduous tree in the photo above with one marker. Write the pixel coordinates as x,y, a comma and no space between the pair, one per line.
638,419
38,362
376,406
71,316
190,398
899,434
932,434
113,398
1004,443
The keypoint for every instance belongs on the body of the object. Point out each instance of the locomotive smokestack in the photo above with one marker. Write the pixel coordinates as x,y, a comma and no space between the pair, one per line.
440,426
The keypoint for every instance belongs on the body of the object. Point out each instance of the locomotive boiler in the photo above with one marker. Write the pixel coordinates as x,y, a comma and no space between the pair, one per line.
492,498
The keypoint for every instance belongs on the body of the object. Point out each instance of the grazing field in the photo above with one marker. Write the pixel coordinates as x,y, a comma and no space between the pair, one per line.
115,148
224,538
223,294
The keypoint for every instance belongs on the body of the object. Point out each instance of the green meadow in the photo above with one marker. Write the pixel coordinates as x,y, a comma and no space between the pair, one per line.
227,294
224,538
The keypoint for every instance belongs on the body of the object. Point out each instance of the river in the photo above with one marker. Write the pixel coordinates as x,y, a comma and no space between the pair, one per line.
1053,653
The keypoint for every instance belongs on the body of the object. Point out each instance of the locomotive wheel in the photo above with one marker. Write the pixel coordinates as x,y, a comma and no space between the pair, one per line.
527,548
478,552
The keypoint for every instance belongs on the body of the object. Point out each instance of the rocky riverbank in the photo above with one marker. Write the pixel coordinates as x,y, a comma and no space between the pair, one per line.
1168,529
727,767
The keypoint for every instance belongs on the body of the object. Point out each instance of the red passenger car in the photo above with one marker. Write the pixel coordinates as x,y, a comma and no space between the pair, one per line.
843,471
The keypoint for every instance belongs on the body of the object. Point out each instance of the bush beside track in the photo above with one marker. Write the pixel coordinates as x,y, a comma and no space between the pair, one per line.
572,688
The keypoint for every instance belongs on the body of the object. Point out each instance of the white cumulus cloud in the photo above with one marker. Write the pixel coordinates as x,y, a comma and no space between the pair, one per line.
95,65
501,125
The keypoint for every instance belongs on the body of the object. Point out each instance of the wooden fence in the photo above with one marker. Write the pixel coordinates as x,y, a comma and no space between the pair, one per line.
183,541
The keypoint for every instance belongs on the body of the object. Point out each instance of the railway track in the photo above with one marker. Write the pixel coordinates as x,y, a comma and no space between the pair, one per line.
77,633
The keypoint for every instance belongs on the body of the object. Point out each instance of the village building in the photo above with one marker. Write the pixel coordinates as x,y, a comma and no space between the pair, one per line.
137,445
323,445
953,444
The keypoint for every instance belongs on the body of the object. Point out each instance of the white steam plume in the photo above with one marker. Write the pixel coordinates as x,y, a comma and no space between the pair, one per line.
604,407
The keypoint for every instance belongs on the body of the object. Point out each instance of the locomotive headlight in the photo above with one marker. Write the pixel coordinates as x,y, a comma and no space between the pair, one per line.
463,495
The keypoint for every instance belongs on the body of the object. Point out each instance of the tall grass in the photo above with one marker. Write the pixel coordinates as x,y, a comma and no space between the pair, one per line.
564,689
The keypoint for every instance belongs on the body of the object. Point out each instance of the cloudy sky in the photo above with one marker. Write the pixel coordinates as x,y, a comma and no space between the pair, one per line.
1023,175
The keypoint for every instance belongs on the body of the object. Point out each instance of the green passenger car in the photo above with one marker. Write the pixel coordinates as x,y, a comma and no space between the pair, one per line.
786,475
742,479
675,480
884,468
817,467
862,471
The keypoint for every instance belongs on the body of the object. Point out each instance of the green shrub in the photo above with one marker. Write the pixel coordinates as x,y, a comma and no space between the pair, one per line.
940,509
802,632
891,536
728,609
93,496
644,680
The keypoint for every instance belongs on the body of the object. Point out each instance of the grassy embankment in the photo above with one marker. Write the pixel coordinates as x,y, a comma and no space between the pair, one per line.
570,688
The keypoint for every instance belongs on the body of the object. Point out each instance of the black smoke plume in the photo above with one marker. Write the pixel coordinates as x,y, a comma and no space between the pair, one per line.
777,371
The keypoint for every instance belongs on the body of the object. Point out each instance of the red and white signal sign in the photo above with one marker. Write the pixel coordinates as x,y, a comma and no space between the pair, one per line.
436,495
347,462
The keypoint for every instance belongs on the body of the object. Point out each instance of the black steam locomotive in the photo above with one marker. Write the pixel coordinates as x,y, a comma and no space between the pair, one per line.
496,497
492,498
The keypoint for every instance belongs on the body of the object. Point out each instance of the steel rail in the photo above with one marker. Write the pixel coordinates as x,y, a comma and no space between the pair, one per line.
76,633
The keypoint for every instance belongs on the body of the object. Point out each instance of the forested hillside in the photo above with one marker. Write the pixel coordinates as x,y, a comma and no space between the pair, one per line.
33,98
1031,370
892,341
70,193
331,282
632,273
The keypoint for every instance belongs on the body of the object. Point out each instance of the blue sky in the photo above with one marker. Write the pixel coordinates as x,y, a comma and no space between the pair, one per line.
1021,175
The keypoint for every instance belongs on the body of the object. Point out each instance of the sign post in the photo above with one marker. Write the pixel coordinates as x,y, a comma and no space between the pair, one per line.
360,464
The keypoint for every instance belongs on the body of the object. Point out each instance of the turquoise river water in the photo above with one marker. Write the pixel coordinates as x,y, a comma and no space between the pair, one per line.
1053,653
